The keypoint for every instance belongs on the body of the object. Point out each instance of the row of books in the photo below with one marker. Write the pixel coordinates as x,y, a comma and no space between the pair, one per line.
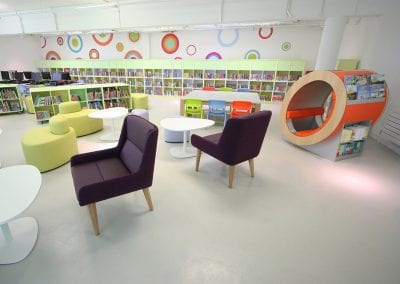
10,106
349,148
115,93
95,105
43,101
8,94
94,95
364,87
43,115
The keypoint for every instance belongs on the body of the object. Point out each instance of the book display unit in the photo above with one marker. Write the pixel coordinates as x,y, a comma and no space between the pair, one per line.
330,113
99,96
10,99
271,79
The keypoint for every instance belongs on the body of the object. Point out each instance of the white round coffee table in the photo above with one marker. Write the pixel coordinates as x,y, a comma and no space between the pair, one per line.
185,124
110,113
19,188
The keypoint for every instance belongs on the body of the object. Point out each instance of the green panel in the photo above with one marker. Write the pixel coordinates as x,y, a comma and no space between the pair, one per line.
283,65
297,65
347,64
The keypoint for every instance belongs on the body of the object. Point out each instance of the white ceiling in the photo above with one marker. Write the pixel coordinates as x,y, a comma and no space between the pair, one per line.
63,16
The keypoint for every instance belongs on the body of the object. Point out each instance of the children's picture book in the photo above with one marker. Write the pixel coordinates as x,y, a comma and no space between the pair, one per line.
363,92
351,91
377,79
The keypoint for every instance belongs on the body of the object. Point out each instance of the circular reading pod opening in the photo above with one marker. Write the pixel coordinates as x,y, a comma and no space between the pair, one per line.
313,108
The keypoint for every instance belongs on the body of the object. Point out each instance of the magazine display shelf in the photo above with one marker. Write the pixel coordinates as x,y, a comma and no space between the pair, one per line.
10,99
318,111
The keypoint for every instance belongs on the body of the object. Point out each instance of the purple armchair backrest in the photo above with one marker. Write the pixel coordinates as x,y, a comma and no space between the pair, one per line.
243,136
137,145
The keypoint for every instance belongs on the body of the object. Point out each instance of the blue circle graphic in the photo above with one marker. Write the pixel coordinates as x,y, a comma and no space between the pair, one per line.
228,44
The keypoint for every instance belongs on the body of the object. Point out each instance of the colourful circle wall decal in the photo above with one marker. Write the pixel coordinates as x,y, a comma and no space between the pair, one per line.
213,55
44,42
103,39
119,46
94,54
134,36
228,44
60,40
286,46
252,54
52,55
133,54
75,43
191,50
260,34
170,43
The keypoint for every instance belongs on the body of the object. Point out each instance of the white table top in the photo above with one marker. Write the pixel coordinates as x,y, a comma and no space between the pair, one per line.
222,95
109,113
185,123
19,188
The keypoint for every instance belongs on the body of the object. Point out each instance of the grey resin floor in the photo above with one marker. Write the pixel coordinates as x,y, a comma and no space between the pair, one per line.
301,219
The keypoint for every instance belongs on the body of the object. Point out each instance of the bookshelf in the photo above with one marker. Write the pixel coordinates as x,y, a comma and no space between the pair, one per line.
10,99
271,79
330,113
93,96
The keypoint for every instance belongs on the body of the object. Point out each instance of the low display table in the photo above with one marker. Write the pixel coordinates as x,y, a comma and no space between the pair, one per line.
19,188
185,124
110,113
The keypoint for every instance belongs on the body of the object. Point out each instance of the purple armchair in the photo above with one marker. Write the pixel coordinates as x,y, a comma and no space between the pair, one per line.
112,172
240,141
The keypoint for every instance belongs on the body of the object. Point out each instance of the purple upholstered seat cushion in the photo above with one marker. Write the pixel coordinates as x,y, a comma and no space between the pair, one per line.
95,173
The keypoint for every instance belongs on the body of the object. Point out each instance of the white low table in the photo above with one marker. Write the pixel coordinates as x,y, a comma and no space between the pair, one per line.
185,124
19,188
110,113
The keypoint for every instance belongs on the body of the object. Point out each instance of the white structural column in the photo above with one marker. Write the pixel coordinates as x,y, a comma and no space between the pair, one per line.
330,43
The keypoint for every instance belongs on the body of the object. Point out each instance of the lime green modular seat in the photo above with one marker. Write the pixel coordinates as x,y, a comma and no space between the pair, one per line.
140,100
29,104
50,147
79,119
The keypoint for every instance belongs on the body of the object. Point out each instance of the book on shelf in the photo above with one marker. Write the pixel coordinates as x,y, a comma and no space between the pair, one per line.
42,115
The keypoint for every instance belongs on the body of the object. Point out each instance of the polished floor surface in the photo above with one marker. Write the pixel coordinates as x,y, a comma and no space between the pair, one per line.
301,219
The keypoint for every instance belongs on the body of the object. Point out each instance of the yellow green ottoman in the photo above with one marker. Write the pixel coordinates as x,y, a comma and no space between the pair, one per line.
140,101
79,119
50,147
29,104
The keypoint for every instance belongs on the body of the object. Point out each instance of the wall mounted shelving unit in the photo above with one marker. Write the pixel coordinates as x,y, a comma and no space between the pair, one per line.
271,79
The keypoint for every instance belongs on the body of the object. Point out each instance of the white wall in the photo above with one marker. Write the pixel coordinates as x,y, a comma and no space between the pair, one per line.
19,52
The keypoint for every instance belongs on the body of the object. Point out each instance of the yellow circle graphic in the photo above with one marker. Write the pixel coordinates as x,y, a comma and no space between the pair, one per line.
119,46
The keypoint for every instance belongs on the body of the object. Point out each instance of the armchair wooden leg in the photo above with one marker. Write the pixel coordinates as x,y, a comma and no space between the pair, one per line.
147,195
198,155
93,217
251,164
231,174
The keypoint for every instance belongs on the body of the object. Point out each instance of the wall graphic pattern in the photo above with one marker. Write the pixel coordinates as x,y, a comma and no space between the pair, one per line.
170,43
75,43
252,44
103,39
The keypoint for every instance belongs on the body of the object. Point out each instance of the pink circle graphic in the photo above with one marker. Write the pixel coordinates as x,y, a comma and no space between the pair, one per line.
191,50
271,30
170,43
52,55
94,54
133,54
213,55
60,40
